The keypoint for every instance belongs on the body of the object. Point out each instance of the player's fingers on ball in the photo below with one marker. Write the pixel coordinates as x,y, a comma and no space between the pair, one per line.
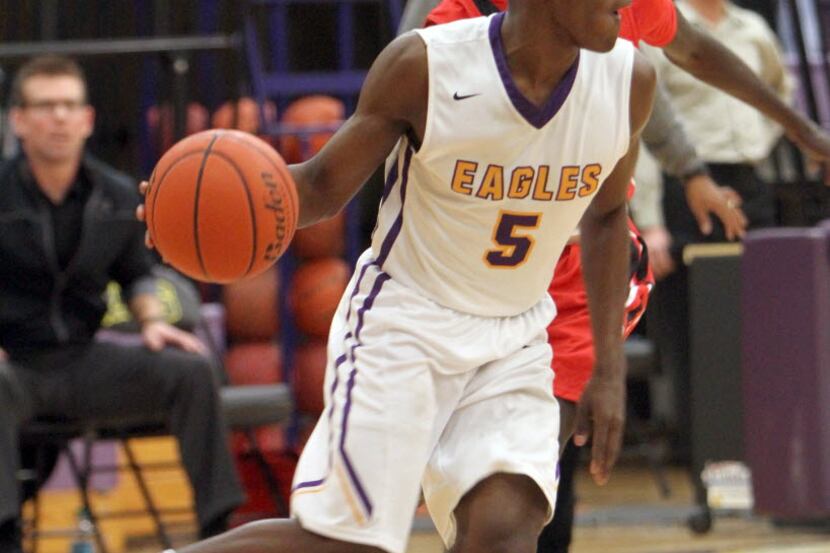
142,187
139,212
147,240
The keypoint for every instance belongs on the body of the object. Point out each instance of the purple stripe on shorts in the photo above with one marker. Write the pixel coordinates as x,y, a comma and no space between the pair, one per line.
367,305
396,226
312,483
390,181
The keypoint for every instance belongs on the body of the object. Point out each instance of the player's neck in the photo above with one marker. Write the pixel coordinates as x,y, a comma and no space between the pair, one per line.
538,56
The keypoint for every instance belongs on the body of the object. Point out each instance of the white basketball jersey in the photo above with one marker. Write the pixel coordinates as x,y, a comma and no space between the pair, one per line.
477,216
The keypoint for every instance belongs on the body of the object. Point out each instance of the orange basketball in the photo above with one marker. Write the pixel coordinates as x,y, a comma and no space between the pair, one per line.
308,112
308,376
315,292
254,363
221,206
251,307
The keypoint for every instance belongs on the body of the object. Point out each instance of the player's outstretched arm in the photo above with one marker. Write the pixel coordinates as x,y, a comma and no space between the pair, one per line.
697,52
605,264
393,100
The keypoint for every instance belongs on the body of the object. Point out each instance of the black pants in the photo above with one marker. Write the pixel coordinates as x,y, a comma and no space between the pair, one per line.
556,536
103,380
669,307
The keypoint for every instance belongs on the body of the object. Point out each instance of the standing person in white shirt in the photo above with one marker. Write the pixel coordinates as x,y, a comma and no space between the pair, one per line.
732,138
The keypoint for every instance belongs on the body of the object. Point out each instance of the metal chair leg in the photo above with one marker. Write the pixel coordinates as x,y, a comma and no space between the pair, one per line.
273,486
81,475
145,493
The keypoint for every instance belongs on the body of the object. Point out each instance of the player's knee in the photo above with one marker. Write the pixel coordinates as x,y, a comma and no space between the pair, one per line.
499,536
503,513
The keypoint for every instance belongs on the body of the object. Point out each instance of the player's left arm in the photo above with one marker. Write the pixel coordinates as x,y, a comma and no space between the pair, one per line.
696,51
605,265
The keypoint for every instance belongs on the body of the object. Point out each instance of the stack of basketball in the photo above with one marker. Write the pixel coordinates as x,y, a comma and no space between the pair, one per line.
322,274
255,354
252,305
221,207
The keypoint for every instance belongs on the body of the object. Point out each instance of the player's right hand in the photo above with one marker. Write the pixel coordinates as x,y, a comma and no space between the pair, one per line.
139,213
600,415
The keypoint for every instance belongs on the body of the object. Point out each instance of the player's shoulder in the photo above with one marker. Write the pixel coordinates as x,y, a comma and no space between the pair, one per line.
456,32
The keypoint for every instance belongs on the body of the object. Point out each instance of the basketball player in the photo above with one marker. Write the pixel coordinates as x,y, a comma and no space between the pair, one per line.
659,23
505,132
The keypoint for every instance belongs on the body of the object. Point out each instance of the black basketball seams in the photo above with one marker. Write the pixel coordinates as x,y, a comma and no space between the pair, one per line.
156,189
196,206
251,210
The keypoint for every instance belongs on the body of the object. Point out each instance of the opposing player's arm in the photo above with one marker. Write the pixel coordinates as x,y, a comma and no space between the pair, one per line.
696,51
605,259
393,100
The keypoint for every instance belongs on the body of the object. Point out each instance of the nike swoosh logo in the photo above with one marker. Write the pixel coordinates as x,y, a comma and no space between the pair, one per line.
456,96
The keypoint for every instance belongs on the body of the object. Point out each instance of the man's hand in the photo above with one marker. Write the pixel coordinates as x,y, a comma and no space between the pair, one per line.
704,197
658,241
601,416
157,334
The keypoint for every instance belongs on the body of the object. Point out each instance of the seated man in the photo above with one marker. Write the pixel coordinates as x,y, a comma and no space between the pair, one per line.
66,228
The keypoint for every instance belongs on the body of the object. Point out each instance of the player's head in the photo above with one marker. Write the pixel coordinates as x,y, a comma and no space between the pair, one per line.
50,112
591,24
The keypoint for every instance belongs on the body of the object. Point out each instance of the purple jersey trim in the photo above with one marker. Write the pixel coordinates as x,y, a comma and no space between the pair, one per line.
386,247
536,116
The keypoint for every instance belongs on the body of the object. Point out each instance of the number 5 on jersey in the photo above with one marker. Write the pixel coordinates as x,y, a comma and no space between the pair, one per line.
513,243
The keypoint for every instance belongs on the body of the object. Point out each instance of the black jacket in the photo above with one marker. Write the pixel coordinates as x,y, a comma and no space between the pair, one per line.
41,305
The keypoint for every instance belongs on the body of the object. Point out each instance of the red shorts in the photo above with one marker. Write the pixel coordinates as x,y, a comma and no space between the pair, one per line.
570,332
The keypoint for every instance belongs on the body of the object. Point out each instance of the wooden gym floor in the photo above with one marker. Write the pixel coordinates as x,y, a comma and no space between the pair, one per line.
626,516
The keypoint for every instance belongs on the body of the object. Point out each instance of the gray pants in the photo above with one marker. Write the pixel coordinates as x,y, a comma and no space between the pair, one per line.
103,380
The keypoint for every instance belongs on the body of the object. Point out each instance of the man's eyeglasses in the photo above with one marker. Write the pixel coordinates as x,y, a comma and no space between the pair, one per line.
51,106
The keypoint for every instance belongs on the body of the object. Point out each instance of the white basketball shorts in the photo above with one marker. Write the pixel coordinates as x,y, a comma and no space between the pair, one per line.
418,395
